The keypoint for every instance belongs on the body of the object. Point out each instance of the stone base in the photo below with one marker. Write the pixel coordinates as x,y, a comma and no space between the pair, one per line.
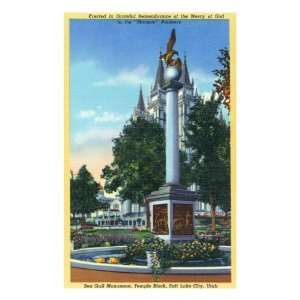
172,213
174,192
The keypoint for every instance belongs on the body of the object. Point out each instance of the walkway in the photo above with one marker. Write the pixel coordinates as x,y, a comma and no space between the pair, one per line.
85,275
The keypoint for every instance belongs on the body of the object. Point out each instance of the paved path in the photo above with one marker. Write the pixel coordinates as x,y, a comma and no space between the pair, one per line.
85,275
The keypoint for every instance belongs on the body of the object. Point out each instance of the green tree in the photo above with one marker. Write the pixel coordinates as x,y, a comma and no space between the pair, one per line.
139,160
224,195
186,176
138,167
208,137
222,87
222,83
83,191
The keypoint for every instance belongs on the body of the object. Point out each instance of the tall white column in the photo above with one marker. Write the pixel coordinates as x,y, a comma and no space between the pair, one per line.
172,147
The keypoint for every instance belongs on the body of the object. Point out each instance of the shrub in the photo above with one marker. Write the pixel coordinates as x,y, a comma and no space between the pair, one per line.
81,239
181,251
222,238
135,249
196,250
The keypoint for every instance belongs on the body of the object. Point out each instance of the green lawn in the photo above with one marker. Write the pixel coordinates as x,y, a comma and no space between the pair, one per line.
108,235
139,234
204,228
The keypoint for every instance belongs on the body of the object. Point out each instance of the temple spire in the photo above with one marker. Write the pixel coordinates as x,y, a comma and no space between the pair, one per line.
185,77
140,110
159,78
141,104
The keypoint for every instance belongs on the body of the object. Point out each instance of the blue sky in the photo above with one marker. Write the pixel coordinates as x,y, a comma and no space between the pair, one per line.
108,63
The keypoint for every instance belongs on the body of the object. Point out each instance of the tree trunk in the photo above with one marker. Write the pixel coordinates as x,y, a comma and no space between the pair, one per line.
147,211
76,221
226,218
212,211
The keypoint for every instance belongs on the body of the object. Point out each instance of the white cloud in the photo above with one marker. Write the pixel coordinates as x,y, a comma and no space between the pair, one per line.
110,117
86,114
136,76
99,116
95,136
202,77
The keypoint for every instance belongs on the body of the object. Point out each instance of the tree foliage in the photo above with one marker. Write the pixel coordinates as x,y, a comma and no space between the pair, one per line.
222,83
83,190
208,135
139,161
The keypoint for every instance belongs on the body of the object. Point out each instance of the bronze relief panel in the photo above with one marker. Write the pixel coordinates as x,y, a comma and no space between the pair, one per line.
182,219
160,219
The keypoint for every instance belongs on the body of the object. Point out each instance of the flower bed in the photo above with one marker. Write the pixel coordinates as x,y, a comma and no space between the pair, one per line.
84,240
222,237
153,255
170,254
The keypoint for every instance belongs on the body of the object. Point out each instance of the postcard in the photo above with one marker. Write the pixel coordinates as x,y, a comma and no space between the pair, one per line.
150,110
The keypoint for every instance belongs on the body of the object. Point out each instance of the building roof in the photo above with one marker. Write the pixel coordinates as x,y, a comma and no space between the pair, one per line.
159,78
103,199
141,104
185,77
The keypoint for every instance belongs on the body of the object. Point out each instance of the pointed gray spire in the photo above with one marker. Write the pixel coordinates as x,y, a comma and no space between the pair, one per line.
196,93
185,77
159,78
141,104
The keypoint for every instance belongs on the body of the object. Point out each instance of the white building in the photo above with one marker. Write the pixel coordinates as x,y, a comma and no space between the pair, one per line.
156,107
124,212
119,213
115,204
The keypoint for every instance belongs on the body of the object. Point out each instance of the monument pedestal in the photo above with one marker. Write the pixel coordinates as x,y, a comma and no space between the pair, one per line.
172,206
172,213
